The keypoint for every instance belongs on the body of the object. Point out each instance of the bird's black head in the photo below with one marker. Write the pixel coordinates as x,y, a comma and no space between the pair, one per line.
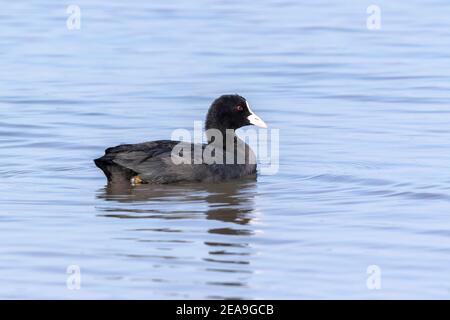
231,112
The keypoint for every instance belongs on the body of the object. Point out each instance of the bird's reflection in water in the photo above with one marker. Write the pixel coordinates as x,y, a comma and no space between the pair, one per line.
228,202
227,207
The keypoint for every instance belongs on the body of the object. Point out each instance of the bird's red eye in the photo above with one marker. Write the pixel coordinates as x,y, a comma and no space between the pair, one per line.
239,108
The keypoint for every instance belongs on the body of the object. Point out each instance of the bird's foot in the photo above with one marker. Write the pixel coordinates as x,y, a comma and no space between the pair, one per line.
136,180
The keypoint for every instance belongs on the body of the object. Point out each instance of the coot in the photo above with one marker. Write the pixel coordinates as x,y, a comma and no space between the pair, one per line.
224,157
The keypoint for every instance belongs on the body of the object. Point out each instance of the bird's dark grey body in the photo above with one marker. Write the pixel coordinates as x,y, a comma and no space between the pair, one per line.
155,161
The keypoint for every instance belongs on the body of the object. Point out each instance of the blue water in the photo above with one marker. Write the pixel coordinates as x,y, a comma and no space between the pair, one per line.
364,148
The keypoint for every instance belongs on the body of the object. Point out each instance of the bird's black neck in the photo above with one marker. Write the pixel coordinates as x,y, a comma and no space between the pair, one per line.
227,140
216,134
